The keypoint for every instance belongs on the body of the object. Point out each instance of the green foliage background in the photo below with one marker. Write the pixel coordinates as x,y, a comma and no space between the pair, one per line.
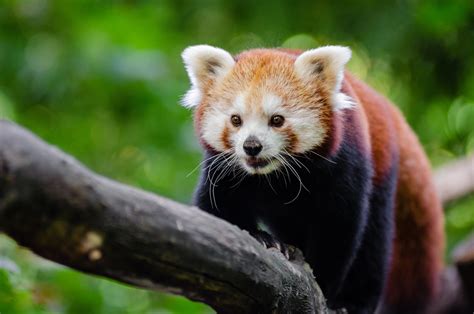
102,80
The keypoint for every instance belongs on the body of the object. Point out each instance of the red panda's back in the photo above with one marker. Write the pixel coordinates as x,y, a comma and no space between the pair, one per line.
419,238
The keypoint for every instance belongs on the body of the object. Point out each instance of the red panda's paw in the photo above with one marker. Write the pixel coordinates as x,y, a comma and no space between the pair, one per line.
270,241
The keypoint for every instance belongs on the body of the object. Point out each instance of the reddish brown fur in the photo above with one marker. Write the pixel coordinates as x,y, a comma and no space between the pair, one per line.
418,212
379,115
419,239
292,139
225,138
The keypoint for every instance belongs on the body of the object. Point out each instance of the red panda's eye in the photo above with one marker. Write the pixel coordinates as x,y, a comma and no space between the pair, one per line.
277,121
236,121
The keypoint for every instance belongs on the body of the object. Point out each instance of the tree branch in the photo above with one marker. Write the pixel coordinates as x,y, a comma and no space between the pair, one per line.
456,179
53,205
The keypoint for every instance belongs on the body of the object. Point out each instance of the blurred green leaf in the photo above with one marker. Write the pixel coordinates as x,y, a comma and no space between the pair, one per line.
7,110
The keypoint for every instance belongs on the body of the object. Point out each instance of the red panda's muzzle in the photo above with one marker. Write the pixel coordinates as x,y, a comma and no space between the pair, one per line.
255,162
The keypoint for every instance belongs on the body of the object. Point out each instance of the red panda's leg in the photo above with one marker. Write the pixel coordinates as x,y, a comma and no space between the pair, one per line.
235,210
338,221
271,241
365,282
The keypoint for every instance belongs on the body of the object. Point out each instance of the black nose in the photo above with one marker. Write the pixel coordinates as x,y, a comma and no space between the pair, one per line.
252,146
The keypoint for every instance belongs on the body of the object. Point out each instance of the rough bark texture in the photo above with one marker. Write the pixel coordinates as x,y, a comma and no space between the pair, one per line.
53,205
62,211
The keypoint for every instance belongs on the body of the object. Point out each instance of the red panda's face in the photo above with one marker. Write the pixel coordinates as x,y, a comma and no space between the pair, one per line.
266,107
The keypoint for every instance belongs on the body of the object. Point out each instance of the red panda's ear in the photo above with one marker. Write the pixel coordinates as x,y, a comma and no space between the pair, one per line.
204,64
326,66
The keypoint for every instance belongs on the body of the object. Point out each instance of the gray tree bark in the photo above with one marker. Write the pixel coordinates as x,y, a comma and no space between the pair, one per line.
62,211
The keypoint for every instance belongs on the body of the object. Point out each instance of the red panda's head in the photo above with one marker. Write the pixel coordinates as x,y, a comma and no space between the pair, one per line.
265,104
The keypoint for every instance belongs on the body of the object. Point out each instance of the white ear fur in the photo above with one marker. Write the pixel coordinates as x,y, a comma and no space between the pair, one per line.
326,64
204,63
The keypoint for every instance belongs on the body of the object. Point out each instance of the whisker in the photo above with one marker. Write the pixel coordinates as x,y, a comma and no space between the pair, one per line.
295,173
220,172
210,178
211,165
297,162
270,183
282,161
243,174
200,164
321,156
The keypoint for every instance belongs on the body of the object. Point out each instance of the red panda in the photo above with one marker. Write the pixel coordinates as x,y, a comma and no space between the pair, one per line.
300,152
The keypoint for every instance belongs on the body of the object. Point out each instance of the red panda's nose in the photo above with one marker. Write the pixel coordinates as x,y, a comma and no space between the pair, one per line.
252,146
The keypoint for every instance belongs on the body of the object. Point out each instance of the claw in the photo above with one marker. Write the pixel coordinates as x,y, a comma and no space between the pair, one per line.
269,241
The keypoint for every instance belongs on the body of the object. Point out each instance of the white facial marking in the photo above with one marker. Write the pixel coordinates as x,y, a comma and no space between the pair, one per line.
271,104
307,127
239,104
214,122
272,166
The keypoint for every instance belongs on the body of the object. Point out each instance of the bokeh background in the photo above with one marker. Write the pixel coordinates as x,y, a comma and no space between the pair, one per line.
102,80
